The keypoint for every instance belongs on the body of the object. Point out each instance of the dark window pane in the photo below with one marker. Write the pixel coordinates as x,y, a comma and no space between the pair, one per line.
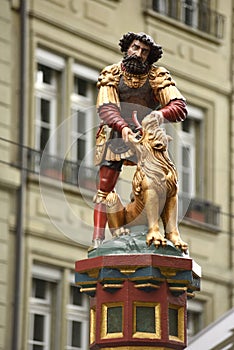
186,157
38,332
189,11
45,110
172,8
156,5
76,296
80,86
186,180
173,322
38,347
204,16
81,122
45,134
194,322
81,148
76,334
46,73
114,319
145,319
76,85
39,288
186,125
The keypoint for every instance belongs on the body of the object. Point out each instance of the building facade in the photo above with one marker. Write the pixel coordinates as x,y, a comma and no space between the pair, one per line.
51,54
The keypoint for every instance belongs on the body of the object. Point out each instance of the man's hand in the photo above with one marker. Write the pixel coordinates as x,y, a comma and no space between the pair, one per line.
125,133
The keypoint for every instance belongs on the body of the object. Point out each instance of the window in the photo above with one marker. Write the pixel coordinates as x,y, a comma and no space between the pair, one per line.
64,141
83,111
83,125
194,13
204,17
43,313
48,87
190,158
45,105
189,13
50,319
197,14
195,317
40,316
77,320
187,161
169,7
48,112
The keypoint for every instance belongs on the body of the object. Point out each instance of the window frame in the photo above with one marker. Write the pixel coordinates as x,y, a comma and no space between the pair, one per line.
195,306
196,168
84,104
195,114
36,310
38,306
51,93
77,313
62,280
204,18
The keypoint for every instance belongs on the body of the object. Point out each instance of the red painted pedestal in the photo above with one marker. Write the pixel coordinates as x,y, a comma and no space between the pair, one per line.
138,301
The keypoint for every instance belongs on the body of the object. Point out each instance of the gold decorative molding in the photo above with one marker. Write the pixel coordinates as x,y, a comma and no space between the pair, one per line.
112,285
128,270
146,285
180,330
104,320
168,271
93,273
92,325
89,289
191,295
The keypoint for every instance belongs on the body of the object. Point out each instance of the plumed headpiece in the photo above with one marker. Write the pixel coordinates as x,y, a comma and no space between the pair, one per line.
156,51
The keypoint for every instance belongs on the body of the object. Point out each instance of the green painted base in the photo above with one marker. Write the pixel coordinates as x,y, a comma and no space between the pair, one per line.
134,243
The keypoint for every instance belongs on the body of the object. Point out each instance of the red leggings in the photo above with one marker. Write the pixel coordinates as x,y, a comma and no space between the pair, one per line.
108,178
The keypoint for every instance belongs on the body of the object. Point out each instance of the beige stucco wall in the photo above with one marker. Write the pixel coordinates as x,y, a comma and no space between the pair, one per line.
231,166
9,177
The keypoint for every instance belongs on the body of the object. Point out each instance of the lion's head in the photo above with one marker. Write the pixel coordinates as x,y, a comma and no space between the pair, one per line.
154,134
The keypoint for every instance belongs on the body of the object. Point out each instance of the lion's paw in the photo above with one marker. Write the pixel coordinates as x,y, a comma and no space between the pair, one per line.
121,231
155,237
183,246
175,238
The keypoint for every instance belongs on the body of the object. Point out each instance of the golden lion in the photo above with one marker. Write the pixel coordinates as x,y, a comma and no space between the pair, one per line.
154,188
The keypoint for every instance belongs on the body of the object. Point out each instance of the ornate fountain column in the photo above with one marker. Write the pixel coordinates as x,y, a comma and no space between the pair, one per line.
138,300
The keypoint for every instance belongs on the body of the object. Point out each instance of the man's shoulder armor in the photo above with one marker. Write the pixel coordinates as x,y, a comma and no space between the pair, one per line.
160,77
110,75
153,71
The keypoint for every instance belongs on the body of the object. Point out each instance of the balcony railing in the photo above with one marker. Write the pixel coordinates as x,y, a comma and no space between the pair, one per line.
194,14
84,177
202,212
195,210
70,172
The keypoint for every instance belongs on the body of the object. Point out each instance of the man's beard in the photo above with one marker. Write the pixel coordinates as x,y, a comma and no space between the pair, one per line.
134,64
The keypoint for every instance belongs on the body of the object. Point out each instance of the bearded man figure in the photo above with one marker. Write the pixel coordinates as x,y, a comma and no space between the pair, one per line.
136,84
